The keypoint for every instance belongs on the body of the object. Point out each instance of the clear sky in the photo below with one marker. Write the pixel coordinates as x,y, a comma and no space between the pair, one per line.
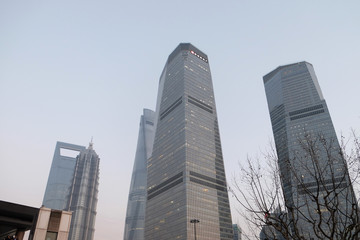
70,70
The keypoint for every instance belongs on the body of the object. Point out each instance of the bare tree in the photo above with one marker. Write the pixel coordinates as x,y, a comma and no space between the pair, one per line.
314,190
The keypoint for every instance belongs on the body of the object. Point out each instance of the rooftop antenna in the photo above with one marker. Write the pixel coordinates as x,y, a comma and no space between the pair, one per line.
91,143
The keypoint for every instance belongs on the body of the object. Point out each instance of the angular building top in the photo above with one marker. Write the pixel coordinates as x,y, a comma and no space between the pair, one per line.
294,85
187,47
278,69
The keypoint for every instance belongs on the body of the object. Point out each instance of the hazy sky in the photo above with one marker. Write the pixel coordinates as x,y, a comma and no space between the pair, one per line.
70,70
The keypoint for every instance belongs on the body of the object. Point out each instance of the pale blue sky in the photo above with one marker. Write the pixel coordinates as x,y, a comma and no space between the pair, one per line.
70,70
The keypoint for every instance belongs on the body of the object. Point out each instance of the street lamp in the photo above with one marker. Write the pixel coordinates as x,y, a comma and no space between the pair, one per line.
194,221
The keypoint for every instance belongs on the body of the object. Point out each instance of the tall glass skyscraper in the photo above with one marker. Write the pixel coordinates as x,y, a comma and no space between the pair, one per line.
57,193
309,156
73,186
135,214
186,177
84,195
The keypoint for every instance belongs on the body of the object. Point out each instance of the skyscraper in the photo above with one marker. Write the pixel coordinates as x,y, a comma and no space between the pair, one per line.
135,214
73,186
84,195
186,177
314,174
57,193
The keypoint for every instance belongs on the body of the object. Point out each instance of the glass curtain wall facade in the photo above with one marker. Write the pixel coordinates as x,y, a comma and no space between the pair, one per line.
57,193
84,195
186,176
73,186
301,120
135,214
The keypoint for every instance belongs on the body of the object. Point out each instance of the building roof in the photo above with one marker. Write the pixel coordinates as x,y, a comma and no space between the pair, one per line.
16,216
278,69
185,46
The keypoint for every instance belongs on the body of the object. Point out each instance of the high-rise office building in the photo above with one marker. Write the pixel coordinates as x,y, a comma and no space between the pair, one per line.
186,177
84,195
57,193
135,214
73,186
314,174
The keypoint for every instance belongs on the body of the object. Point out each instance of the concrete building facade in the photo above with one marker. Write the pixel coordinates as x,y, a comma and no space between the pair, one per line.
52,224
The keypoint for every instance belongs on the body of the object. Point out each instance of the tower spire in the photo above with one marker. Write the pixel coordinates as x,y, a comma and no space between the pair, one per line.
91,143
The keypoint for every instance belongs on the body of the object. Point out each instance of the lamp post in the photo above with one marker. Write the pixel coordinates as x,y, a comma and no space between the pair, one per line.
194,221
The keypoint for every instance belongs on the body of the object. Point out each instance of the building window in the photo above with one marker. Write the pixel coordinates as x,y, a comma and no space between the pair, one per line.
51,236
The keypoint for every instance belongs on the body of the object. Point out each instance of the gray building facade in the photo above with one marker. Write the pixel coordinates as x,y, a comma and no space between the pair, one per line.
186,176
309,154
73,186
135,214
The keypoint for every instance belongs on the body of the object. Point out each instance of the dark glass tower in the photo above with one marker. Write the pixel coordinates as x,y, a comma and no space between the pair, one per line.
186,176
73,186
135,214
309,154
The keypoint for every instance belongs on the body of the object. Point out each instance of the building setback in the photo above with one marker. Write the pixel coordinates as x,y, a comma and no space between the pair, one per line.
73,186
135,214
186,176
301,122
